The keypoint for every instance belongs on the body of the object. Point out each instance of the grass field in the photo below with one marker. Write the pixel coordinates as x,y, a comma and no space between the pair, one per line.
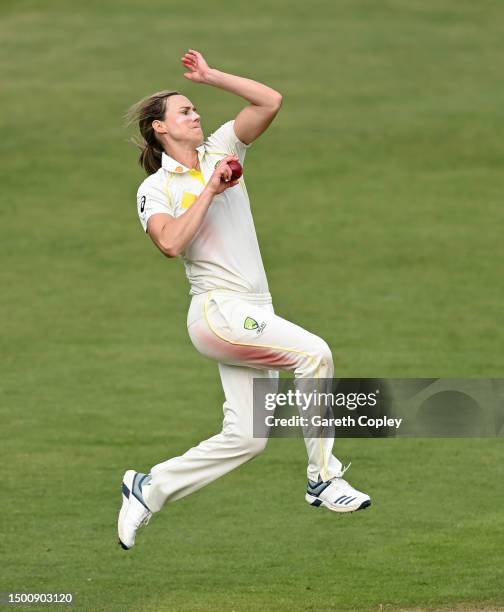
378,203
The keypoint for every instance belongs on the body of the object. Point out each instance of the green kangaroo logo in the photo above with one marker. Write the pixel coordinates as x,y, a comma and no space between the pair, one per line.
250,323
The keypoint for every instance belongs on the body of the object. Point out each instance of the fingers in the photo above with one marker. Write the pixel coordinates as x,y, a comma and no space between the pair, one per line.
221,178
194,62
191,57
188,62
223,170
194,59
229,158
226,173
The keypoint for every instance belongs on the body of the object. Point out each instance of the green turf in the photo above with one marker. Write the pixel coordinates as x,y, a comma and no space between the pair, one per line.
378,203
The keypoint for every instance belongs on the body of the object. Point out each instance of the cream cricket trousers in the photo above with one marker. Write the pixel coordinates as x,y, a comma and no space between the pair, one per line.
242,333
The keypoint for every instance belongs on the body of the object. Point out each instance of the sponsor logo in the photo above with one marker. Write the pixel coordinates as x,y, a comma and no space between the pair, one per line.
179,169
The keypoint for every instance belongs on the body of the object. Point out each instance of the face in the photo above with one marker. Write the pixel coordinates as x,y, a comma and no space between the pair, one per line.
181,121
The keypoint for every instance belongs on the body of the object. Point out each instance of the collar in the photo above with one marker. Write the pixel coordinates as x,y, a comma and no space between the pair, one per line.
172,165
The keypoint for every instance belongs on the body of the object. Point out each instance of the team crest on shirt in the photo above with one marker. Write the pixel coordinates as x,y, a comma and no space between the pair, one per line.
251,324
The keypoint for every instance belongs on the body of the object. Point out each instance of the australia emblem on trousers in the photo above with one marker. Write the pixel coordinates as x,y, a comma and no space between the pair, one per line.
252,325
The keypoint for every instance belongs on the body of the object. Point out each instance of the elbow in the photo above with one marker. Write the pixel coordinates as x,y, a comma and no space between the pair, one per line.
169,249
277,101
164,234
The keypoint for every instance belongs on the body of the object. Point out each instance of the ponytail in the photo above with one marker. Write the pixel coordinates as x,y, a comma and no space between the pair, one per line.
150,157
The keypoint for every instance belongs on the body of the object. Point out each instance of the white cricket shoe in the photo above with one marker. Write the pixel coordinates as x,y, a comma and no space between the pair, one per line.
134,512
336,495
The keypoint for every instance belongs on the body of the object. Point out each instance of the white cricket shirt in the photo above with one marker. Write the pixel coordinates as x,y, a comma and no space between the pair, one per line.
224,254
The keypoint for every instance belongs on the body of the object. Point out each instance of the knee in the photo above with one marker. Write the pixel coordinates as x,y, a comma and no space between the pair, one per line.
319,364
255,446
251,447
324,354
324,361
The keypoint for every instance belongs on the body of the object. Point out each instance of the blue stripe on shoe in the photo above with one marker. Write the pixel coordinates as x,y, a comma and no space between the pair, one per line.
317,488
340,499
138,481
125,490
350,500
143,481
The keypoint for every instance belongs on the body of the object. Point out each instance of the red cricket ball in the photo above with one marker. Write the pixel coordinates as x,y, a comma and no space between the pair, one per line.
236,169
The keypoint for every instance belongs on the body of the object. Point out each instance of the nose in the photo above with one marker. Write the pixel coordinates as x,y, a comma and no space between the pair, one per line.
195,116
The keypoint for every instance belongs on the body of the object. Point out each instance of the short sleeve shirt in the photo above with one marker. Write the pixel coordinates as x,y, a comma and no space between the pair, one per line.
224,254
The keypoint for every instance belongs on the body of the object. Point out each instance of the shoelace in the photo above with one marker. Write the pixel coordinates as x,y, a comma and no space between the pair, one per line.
346,468
145,520
342,472
334,478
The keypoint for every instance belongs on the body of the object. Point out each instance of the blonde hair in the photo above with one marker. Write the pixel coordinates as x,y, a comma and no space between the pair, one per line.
144,113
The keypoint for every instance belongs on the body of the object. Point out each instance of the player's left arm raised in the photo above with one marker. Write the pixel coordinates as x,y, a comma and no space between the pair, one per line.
265,102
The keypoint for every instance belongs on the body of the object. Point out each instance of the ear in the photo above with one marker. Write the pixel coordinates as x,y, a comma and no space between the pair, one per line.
159,126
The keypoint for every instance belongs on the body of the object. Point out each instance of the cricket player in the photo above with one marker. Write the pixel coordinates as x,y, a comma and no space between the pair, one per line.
191,208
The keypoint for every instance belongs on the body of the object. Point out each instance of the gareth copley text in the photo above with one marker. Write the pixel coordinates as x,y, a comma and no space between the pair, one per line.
319,421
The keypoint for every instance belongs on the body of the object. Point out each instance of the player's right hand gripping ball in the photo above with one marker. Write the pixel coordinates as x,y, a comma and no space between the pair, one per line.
236,169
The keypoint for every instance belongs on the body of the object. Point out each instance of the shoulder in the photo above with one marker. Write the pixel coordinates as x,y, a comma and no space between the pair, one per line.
226,129
153,197
224,139
153,183
154,192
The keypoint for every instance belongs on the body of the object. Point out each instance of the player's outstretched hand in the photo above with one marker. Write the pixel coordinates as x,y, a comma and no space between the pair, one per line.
221,177
196,65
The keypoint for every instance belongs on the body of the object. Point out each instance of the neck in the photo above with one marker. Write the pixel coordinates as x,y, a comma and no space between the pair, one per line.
185,153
